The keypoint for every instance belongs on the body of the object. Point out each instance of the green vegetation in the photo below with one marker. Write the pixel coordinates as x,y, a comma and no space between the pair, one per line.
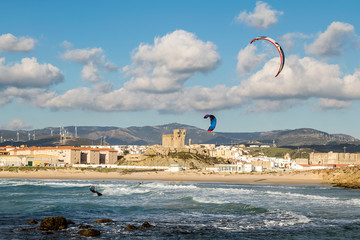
102,170
200,157
26,169
280,152
98,169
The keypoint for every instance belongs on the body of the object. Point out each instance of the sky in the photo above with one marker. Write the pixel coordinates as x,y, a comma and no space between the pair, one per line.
147,63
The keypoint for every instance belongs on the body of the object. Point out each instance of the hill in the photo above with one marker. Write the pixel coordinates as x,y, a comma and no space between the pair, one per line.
151,135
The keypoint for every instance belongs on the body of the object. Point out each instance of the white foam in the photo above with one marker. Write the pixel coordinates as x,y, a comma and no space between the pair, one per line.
209,200
120,191
284,219
322,200
160,185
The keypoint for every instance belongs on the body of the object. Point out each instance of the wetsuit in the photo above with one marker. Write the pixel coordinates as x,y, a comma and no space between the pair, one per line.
93,189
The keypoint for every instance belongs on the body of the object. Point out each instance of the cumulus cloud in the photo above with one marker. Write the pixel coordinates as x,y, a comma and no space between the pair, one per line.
329,104
273,105
83,56
188,99
28,73
91,72
248,59
288,40
111,67
10,43
334,40
89,100
91,59
16,124
300,78
351,86
262,17
170,62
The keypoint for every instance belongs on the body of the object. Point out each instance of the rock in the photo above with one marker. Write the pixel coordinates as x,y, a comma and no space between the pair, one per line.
85,226
89,232
47,233
53,223
131,228
103,221
27,229
146,225
70,222
32,222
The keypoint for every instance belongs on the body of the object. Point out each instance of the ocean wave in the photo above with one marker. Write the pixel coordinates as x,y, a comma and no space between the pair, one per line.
209,200
321,199
170,186
120,191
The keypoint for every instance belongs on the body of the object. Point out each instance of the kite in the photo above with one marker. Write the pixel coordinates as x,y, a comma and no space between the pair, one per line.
212,122
281,52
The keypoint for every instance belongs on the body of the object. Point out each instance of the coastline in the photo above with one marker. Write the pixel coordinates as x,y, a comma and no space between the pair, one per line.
186,176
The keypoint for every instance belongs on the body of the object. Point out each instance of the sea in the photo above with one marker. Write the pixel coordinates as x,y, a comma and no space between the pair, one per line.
180,210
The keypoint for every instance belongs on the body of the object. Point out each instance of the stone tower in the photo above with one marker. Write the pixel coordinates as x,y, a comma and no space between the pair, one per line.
179,137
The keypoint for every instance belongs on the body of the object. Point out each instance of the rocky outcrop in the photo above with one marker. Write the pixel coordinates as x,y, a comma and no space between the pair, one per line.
89,232
53,223
103,221
85,226
131,228
32,222
348,177
146,225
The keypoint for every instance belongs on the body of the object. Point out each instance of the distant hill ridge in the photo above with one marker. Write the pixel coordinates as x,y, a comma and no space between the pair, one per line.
150,135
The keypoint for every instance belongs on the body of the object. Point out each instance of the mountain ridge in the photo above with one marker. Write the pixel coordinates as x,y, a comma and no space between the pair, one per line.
150,135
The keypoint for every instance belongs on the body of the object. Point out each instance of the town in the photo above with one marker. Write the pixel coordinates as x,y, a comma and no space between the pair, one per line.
173,155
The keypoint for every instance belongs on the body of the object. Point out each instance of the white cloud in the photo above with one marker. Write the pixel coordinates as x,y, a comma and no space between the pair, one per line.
248,59
6,97
111,67
300,78
89,100
91,59
288,40
273,105
91,73
170,62
329,104
262,17
10,43
83,56
66,44
16,124
188,99
351,86
334,40
28,73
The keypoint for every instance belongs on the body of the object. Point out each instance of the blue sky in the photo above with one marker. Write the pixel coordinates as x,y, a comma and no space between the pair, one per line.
139,63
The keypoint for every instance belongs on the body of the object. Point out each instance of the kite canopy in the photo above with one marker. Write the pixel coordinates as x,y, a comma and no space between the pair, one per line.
281,52
212,122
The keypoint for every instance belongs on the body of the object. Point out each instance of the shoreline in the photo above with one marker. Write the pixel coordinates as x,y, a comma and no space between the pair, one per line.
186,176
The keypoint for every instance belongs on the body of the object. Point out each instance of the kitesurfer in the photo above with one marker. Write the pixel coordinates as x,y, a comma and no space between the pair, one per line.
93,189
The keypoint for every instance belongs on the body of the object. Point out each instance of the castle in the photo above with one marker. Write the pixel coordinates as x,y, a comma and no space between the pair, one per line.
177,139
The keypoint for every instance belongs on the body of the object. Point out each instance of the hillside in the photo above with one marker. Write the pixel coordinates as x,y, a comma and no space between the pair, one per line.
151,135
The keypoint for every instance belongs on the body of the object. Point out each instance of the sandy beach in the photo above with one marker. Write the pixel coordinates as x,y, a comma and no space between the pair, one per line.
198,176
